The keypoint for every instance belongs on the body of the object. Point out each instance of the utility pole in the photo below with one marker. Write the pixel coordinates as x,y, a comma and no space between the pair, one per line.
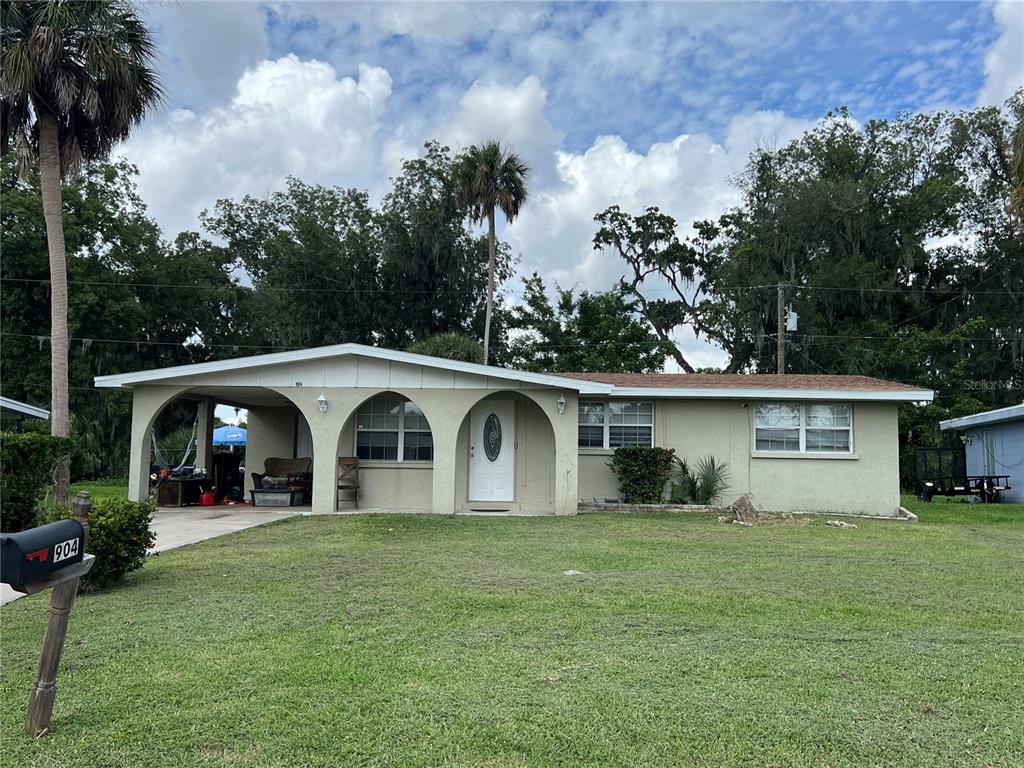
780,330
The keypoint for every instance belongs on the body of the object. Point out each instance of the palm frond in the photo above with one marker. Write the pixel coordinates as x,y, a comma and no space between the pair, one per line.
489,177
90,65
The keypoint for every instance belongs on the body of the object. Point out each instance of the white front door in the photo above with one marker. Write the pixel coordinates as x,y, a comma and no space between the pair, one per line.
492,437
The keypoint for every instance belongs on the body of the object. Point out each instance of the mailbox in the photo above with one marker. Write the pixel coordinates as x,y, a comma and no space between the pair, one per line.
38,552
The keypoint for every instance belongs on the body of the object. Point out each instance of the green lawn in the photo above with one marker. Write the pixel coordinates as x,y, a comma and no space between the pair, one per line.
943,509
427,641
102,489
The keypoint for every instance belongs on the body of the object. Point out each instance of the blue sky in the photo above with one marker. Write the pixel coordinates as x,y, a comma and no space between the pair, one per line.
631,103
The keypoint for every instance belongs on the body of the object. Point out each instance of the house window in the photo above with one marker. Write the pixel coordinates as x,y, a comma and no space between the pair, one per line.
392,429
615,424
806,428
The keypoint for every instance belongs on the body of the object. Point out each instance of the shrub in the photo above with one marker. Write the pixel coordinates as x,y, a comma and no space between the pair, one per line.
119,535
26,469
704,486
642,473
453,346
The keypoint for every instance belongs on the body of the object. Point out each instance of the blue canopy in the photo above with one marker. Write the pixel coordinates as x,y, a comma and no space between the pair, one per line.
229,436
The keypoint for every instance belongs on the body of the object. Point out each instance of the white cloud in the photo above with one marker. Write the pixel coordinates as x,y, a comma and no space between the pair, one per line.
1004,62
688,178
205,46
287,117
515,115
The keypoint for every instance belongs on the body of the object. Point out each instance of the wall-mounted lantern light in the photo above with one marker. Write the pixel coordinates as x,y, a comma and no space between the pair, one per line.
561,404
322,403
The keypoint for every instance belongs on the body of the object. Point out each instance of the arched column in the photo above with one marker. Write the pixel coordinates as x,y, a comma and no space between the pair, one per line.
445,432
564,425
325,428
147,402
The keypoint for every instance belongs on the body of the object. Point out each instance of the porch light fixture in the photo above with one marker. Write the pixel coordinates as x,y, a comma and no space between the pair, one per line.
322,403
561,405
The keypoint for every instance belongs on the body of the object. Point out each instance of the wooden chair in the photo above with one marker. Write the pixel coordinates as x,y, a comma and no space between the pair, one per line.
348,481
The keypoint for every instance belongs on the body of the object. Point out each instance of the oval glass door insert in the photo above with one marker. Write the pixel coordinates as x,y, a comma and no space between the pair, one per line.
492,437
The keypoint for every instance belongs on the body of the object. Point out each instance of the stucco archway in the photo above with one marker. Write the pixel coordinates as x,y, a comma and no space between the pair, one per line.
532,443
274,427
391,434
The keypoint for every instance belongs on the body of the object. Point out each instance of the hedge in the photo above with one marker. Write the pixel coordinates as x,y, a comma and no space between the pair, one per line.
26,469
119,535
642,472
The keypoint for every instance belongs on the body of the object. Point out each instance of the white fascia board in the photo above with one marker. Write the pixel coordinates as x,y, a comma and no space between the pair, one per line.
127,380
17,406
1010,413
725,393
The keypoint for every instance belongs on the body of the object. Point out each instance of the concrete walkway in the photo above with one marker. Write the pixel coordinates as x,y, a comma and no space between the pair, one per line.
178,526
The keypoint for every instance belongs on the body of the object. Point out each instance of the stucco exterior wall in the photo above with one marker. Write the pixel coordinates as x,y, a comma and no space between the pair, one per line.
446,397
270,434
447,411
865,483
551,472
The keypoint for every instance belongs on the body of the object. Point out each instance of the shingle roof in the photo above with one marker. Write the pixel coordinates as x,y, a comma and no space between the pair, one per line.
745,381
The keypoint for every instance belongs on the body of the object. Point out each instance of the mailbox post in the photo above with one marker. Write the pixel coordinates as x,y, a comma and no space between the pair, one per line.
33,563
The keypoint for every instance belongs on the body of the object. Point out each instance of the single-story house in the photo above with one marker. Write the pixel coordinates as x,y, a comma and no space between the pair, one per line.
14,412
994,445
437,435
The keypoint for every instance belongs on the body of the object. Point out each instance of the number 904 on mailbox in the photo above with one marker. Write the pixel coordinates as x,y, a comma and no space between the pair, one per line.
38,552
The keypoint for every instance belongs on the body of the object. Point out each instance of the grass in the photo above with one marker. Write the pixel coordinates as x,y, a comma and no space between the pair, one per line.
115,488
943,510
428,641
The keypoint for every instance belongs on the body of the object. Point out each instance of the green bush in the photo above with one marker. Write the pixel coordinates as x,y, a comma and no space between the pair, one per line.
642,473
119,535
26,469
703,486
453,346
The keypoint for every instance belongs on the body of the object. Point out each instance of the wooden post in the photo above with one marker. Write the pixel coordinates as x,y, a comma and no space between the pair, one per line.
44,692
780,331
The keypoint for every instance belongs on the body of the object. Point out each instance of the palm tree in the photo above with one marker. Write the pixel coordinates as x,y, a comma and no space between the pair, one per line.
488,177
75,77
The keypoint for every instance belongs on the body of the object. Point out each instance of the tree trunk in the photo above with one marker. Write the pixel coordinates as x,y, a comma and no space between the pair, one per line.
491,249
53,212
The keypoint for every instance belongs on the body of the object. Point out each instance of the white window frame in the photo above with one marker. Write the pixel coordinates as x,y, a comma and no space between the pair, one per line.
606,423
801,430
401,433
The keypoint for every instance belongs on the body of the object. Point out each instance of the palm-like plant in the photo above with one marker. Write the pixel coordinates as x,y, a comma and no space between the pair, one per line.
488,177
75,77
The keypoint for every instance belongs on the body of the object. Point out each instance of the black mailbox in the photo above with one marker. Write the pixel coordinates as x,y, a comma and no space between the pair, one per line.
37,552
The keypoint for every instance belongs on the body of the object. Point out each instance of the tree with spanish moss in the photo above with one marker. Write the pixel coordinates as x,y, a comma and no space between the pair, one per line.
74,79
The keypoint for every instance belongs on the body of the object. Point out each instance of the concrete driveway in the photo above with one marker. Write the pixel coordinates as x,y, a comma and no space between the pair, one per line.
177,526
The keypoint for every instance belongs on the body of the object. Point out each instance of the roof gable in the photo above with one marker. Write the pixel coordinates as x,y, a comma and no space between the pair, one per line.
286,369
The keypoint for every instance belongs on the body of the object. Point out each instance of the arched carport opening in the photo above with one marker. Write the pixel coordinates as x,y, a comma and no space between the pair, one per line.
505,428
276,428
391,436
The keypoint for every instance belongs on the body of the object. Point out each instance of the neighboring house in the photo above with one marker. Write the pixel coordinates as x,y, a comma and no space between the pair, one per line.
13,413
994,444
446,436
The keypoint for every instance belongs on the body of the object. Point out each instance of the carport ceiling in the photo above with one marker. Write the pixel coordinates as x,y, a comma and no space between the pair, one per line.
241,397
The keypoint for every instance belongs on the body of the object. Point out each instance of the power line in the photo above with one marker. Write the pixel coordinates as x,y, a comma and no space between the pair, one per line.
909,290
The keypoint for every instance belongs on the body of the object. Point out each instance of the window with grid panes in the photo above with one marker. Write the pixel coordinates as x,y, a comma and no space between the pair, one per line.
803,428
615,423
391,429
